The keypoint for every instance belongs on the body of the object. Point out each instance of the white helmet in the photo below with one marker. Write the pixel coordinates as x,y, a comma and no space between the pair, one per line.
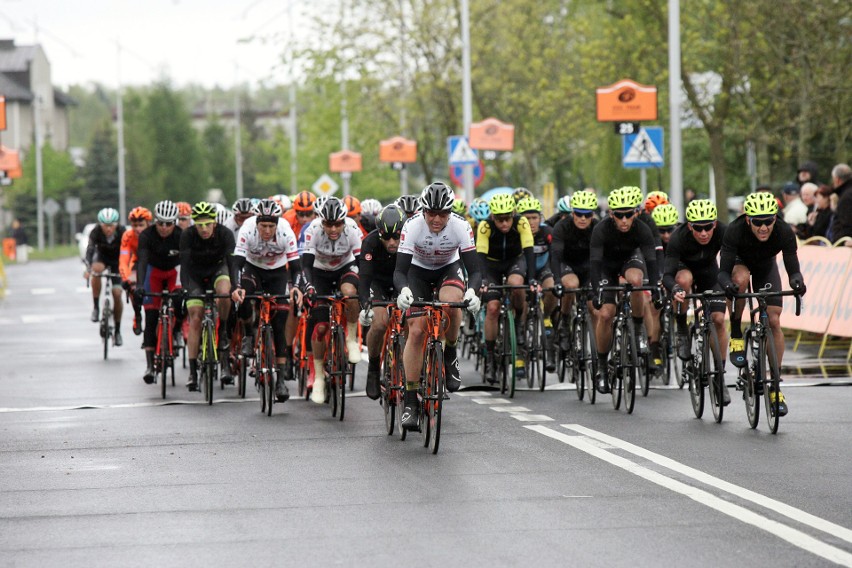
166,211
371,207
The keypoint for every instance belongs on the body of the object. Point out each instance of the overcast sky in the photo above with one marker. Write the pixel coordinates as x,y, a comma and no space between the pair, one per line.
190,41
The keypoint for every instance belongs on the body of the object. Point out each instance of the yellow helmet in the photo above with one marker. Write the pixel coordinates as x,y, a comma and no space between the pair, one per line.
501,204
701,210
665,215
760,203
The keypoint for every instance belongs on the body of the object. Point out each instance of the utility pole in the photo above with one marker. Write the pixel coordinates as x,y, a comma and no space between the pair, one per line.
294,146
122,190
39,171
676,186
238,143
403,172
467,98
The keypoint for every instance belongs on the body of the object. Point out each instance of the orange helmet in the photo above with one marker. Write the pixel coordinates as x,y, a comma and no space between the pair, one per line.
184,209
139,214
353,205
655,198
304,201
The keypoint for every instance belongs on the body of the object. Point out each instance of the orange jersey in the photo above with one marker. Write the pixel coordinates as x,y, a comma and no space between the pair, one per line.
291,217
127,256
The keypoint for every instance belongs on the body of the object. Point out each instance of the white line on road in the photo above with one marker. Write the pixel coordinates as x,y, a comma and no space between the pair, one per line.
791,535
531,417
741,492
42,291
490,401
510,408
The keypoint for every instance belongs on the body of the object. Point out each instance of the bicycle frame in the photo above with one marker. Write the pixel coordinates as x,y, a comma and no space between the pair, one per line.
264,348
506,334
336,360
106,325
392,374
208,359
704,367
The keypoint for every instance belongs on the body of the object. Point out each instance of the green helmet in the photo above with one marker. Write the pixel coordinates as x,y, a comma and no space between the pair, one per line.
501,204
701,210
202,210
529,205
760,203
634,194
108,216
460,207
564,204
584,200
665,215
620,199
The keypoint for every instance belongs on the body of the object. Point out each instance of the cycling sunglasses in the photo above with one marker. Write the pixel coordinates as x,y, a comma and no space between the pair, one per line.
390,236
437,213
624,214
332,224
762,221
304,213
583,213
702,227
503,218
666,229
165,223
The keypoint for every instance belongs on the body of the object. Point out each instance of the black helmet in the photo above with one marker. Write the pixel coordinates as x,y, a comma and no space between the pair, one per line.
267,211
333,210
437,196
410,204
390,220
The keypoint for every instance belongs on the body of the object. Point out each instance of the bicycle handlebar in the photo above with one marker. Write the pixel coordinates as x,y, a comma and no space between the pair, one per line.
763,294
440,304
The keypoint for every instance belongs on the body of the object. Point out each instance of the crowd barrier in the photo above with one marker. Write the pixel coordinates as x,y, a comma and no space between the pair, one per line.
827,306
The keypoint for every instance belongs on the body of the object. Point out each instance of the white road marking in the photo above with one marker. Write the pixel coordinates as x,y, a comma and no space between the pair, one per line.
42,291
782,531
781,508
472,393
81,289
531,417
510,408
490,401
36,318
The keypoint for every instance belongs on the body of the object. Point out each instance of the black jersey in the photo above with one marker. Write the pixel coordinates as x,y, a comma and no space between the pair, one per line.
740,246
156,251
570,245
617,248
107,249
204,256
683,249
374,263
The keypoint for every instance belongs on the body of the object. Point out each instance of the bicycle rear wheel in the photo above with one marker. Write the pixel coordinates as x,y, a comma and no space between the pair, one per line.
771,380
695,370
630,367
754,374
715,373
435,386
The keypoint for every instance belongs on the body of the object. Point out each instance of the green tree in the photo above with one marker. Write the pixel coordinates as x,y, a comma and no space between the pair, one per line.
100,174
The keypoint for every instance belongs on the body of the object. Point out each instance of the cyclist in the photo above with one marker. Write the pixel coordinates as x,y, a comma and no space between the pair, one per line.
479,210
266,259
224,216
184,220
370,209
376,264
460,209
620,246
102,253
353,208
691,265
504,243
655,199
410,204
140,219
332,244
302,212
751,243
436,248
666,218
563,210
157,270
205,262
570,250
530,207
242,210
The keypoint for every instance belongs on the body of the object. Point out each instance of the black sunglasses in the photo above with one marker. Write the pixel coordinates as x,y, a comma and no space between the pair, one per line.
304,213
390,236
503,218
761,221
437,213
585,214
666,229
165,223
702,227
623,214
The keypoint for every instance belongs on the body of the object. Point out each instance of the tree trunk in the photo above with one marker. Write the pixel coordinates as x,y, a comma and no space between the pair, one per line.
717,161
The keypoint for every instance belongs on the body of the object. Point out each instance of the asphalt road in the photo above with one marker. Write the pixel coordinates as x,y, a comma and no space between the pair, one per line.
97,471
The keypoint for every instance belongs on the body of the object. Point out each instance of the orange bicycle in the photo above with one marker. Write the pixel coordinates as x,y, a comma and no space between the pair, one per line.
392,382
433,384
264,349
301,356
336,361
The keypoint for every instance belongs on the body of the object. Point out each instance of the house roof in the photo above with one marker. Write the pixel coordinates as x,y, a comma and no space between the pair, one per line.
15,58
13,91
62,99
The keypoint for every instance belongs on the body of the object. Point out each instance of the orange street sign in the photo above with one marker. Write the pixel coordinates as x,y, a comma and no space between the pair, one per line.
626,101
10,162
2,113
491,134
344,161
398,149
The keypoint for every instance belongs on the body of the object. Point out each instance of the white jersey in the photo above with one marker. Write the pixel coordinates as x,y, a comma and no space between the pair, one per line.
231,223
328,254
435,250
274,253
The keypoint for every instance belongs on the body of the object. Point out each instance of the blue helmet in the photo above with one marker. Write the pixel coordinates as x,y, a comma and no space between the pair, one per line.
479,209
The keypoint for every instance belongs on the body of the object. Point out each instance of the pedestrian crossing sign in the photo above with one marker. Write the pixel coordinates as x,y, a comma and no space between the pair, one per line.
643,149
460,152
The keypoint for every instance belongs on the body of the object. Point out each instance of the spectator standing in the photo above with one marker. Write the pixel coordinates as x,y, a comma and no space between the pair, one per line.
20,235
820,218
841,179
795,210
807,172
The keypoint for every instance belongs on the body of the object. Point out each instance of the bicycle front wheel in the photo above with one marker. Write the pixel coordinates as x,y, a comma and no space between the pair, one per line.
106,327
630,366
771,380
339,372
579,344
163,356
434,399
387,393
536,354
511,352
590,358
695,369
616,366
269,368
753,381
715,373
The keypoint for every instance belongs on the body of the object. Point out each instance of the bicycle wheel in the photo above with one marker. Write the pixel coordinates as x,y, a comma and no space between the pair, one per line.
500,348
715,373
536,354
106,326
511,354
163,355
678,366
694,368
260,375
753,378
667,345
338,375
615,368
386,384
579,339
210,361
771,380
269,366
590,358
435,386
630,366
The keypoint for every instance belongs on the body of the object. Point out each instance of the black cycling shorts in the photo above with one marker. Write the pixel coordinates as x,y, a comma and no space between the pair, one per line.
493,273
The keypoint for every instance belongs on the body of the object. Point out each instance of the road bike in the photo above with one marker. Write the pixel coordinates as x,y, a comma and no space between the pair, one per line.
208,358
580,359
264,348
106,327
392,375
761,375
704,368
433,380
535,353
668,343
506,345
336,361
302,361
164,353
